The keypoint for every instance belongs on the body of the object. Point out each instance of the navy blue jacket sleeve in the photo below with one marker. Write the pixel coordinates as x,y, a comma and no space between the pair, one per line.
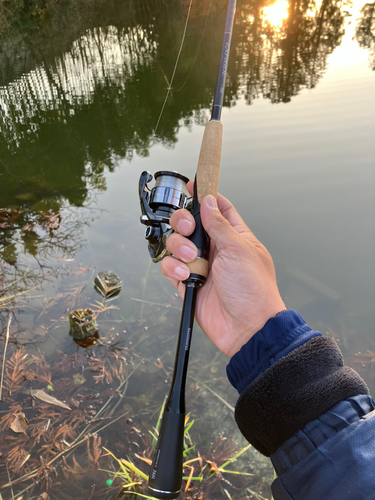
302,407
332,457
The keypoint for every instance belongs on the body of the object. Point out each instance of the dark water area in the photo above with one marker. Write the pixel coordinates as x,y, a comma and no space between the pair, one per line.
82,87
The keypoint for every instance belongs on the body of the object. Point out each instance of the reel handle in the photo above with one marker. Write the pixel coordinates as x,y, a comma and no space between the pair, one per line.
206,182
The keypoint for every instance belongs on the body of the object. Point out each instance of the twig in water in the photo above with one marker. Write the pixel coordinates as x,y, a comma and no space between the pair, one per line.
10,482
155,303
145,284
214,393
5,352
8,298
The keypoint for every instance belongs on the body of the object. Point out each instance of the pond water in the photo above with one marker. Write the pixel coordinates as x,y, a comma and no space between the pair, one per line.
81,93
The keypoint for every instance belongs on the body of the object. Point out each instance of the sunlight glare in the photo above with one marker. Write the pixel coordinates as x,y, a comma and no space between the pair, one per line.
275,14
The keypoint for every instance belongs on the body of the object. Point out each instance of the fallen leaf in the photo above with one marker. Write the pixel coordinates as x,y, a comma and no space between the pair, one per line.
74,402
213,467
144,459
38,393
19,424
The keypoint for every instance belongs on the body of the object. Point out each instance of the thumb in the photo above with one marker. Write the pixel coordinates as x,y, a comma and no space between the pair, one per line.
217,227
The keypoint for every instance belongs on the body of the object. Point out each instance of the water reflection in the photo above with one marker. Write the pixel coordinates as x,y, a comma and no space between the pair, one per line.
276,13
365,32
285,46
36,247
105,94
104,57
68,120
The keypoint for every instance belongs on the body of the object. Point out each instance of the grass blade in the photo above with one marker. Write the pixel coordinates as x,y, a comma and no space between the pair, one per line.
236,456
134,469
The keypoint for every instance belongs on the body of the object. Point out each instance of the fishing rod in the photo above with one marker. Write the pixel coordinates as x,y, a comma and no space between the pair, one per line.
157,205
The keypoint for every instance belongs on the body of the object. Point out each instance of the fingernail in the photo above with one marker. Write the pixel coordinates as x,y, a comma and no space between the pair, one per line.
184,226
211,201
181,273
187,253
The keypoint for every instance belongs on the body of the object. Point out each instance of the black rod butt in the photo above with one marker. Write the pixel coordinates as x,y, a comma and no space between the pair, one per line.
162,494
165,475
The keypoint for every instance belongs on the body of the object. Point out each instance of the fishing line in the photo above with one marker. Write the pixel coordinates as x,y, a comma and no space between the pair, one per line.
198,49
175,67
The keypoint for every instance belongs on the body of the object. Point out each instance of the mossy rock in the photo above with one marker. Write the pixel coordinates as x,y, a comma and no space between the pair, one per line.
108,284
82,324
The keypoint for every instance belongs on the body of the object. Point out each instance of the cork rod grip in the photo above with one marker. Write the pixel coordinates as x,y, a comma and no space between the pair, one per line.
199,266
208,169
207,181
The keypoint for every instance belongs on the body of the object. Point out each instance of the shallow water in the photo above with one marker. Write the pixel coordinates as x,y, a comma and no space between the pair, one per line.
78,108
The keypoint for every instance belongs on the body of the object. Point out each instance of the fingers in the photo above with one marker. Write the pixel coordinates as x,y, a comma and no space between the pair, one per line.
182,248
223,224
230,213
227,210
220,219
182,222
190,187
175,272
218,227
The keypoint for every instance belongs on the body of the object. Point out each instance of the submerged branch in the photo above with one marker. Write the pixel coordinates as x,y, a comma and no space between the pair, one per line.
4,356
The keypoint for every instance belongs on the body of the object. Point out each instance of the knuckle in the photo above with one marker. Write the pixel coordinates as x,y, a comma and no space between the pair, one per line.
171,242
178,215
167,265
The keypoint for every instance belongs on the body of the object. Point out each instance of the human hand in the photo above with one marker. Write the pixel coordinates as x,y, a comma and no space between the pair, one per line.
241,292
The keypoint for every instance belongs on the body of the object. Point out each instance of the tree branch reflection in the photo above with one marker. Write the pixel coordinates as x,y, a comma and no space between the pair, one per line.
365,32
283,58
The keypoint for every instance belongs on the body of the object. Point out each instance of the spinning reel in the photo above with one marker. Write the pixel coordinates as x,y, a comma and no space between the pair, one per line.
157,206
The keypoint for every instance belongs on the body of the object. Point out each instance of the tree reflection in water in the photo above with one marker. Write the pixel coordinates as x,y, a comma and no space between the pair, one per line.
286,50
34,244
80,108
365,32
112,70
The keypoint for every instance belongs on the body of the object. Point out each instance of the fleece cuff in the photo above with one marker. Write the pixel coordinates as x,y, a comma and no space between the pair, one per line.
294,391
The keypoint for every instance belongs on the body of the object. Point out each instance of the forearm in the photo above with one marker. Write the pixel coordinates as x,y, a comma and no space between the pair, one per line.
291,380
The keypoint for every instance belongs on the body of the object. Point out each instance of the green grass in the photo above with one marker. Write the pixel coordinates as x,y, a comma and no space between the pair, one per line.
199,473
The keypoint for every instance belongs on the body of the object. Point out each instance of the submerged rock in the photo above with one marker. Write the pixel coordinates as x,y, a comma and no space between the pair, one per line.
82,324
107,284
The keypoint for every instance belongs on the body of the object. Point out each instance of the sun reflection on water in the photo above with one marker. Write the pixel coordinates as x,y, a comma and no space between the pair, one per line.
276,13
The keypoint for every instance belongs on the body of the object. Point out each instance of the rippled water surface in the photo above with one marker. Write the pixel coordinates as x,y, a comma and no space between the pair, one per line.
81,95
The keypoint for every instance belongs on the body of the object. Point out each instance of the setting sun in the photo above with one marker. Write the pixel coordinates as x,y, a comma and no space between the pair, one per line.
275,14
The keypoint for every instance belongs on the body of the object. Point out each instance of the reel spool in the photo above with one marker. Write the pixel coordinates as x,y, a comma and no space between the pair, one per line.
158,204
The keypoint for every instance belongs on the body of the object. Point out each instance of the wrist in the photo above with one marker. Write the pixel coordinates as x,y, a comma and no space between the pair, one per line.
280,335
245,332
